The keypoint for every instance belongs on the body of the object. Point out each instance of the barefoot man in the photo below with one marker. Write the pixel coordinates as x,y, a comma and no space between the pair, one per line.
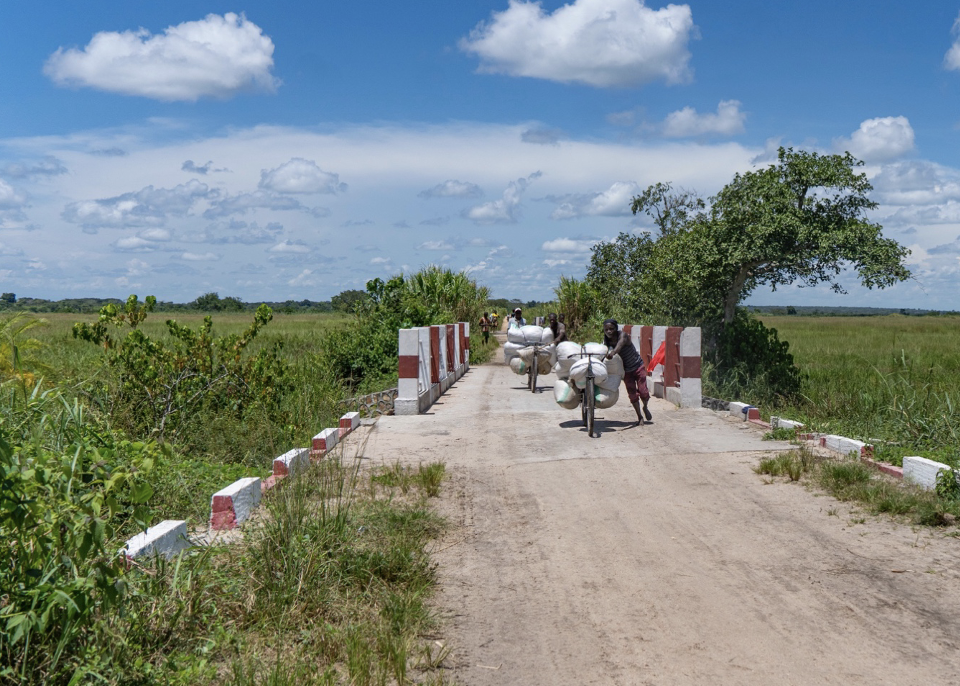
634,373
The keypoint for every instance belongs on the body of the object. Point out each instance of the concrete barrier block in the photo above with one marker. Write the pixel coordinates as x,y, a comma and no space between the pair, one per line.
167,538
737,410
658,388
859,448
922,472
324,441
232,505
781,423
753,413
291,462
351,420
673,395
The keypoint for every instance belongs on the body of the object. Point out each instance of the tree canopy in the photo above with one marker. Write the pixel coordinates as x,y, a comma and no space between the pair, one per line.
801,220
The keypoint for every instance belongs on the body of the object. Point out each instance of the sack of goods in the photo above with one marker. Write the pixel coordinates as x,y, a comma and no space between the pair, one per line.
595,348
511,350
566,395
519,366
578,371
605,398
615,366
546,357
530,335
568,352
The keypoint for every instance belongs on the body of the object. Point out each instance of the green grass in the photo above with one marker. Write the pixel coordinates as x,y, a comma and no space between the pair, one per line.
849,480
889,380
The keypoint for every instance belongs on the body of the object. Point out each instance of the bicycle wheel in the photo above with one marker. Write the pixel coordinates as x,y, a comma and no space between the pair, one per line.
583,407
589,401
533,375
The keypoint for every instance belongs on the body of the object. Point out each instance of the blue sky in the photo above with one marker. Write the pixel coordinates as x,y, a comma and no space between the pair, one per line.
280,150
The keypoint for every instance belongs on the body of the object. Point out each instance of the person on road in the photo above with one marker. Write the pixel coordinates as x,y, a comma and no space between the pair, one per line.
634,372
485,327
558,328
494,320
517,318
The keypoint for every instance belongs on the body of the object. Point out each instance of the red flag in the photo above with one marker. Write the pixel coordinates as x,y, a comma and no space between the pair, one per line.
659,357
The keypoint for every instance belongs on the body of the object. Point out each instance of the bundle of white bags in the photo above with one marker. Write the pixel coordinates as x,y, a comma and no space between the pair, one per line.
518,350
571,370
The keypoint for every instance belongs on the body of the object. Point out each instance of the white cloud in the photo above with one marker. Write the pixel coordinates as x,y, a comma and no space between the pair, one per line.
8,251
579,246
158,235
300,176
381,260
134,244
452,188
242,202
215,57
48,166
952,59
9,197
440,246
728,121
879,139
290,247
505,210
146,207
596,42
198,257
556,263
542,136
613,202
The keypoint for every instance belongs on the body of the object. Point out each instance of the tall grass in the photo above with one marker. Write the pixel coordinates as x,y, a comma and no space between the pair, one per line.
892,380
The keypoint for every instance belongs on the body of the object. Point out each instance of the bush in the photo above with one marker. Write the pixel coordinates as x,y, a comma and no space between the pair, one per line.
751,361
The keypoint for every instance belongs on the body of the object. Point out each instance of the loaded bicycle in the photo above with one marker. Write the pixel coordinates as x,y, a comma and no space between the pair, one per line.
588,402
532,377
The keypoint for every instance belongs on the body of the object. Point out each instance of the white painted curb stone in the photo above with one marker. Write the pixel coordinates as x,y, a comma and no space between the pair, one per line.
167,538
922,472
232,505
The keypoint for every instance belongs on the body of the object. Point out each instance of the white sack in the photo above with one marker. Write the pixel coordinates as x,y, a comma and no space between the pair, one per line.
515,335
615,366
578,371
511,350
562,368
605,398
611,383
531,334
544,366
595,348
566,395
519,366
546,338
568,350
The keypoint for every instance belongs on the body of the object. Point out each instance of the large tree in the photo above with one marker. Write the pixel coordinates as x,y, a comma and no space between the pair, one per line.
801,220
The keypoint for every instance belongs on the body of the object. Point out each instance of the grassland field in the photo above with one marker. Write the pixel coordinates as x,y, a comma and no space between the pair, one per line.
892,380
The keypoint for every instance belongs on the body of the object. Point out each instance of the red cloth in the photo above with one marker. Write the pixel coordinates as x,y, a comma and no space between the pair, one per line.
659,357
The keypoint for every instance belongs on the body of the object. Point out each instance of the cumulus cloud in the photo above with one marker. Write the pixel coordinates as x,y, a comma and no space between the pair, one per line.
134,244
916,182
300,176
238,233
577,246
506,209
613,202
452,188
241,203
952,59
883,138
596,42
10,197
728,121
48,166
204,169
213,57
147,207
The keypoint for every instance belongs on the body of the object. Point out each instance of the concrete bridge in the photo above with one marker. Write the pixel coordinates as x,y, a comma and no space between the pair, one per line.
655,555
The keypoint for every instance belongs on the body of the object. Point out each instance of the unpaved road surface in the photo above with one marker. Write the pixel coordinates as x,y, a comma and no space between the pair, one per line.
655,555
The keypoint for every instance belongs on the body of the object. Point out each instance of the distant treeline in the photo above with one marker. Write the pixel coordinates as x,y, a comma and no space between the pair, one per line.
344,301
210,302
818,311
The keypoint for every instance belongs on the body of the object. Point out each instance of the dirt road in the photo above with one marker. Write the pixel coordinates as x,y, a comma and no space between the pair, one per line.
655,555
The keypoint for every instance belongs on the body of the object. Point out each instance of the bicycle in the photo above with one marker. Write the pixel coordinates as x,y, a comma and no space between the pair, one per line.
588,402
532,380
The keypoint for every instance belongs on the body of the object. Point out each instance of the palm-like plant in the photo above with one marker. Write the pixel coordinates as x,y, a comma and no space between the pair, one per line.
578,301
16,349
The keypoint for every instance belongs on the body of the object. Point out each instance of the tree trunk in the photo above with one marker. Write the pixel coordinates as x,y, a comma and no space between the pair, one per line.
733,294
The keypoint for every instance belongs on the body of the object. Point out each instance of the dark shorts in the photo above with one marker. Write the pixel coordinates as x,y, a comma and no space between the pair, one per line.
636,383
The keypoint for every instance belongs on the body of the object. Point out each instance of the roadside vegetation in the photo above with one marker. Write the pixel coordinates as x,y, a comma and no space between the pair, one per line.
111,423
849,480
